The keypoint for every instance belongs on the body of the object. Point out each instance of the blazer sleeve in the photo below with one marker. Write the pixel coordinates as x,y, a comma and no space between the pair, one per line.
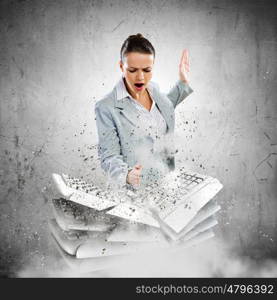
179,92
109,149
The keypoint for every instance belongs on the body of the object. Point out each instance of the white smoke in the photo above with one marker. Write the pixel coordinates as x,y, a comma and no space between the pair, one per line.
212,258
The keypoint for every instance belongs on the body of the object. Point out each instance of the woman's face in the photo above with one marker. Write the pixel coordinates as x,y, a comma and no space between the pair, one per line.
137,69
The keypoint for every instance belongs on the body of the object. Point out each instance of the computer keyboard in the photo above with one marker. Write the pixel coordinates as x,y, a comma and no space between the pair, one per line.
70,215
173,190
88,194
81,185
175,199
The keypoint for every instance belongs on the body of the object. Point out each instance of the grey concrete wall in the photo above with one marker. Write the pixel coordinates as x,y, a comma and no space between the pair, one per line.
58,57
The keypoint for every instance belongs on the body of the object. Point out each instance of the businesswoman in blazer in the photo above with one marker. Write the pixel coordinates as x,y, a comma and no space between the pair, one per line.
135,121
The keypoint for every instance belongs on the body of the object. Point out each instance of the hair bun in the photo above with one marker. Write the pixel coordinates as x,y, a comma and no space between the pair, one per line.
136,36
139,35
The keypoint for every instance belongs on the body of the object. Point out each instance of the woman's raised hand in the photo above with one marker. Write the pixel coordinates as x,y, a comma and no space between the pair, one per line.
133,176
184,66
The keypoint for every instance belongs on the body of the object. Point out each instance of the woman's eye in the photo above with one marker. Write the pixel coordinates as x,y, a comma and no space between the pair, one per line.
133,71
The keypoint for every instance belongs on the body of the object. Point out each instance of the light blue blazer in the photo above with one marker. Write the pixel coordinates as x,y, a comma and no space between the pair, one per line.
119,132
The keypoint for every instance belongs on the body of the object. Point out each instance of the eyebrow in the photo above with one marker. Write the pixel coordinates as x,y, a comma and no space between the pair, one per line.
137,68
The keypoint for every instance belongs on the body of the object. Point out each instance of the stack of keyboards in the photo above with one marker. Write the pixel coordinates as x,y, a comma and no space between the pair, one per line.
95,228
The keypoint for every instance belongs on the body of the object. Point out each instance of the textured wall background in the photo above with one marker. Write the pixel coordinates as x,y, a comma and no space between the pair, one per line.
58,57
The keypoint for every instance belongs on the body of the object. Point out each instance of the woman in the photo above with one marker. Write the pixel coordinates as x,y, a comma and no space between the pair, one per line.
135,121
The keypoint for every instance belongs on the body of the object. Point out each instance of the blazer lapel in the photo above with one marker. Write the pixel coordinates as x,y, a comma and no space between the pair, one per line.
163,107
128,111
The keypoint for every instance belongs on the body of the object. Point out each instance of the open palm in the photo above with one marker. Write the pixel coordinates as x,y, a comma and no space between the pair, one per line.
184,66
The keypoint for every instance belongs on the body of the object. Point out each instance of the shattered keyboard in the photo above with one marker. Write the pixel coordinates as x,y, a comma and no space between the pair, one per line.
175,190
176,198
83,193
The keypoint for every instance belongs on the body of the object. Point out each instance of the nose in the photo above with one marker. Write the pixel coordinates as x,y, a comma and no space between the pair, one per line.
140,76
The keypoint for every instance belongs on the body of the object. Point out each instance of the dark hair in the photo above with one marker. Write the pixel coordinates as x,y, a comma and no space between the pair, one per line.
136,43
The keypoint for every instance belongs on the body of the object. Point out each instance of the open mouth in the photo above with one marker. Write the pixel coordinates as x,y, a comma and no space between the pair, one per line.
139,85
